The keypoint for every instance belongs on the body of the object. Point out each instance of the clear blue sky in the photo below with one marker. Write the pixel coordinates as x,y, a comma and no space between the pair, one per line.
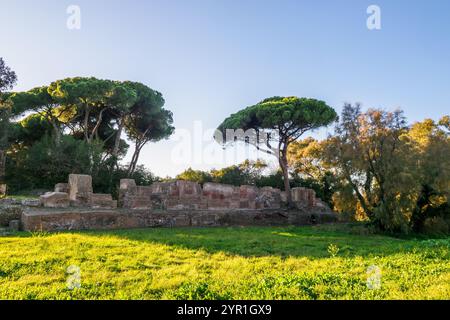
210,58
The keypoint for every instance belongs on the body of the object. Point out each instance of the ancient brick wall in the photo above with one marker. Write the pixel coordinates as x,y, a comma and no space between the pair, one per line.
41,219
78,192
187,195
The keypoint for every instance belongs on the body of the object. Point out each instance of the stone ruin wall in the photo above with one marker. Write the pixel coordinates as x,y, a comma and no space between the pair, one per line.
187,195
77,193
74,206
174,195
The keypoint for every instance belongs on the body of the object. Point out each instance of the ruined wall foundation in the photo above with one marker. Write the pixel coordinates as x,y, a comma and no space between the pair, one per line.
74,206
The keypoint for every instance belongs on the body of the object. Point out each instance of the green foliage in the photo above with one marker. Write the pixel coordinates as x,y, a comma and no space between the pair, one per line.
30,130
333,250
285,119
397,175
274,180
195,176
246,173
44,164
75,125
223,263
8,77
289,114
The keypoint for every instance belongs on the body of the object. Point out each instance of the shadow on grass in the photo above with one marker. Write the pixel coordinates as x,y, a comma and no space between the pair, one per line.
308,241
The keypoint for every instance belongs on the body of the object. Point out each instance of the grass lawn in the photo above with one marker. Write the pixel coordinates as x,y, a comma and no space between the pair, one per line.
223,263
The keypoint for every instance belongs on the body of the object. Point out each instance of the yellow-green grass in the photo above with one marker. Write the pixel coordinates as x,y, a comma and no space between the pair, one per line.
223,263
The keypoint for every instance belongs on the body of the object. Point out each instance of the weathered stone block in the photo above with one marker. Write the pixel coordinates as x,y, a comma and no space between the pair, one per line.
103,201
283,197
189,189
167,188
31,202
268,198
14,225
143,191
80,190
126,187
3,190
136,202
62,187
248,195
311,198
218,191
55,200
126,184
300,195
304,197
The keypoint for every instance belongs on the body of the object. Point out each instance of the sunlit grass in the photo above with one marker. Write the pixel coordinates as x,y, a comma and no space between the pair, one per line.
223,263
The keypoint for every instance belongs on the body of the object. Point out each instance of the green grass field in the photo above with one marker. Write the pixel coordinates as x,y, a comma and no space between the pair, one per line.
323,262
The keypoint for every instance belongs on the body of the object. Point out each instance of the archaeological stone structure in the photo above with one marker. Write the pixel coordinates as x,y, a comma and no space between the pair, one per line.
75,206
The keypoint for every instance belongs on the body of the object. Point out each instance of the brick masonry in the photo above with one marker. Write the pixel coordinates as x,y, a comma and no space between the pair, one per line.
170,204
187,195
39,219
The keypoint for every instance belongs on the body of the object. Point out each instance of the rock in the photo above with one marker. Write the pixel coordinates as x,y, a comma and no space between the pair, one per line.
298,194
31,202
55,200
14,225
62,187
3,189
222,196
268,198
283,197
303,197
126,187
189,189
127,183
80,190
247,197
9,202
8,213
103,201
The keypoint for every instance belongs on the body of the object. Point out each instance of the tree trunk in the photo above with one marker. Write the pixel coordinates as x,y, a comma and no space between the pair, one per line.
2,173
284,168
86,123
135,158
2,165
360,197
117,140
57,132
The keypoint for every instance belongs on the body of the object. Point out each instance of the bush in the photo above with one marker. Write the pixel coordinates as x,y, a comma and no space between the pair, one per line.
44,164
